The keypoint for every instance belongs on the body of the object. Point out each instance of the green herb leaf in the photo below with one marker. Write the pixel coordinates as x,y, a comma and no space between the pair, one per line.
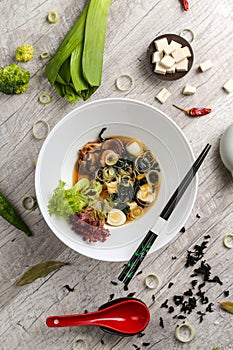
38,271
9,214
227,305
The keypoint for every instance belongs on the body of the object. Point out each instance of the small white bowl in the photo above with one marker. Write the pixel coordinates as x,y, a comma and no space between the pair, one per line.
127,118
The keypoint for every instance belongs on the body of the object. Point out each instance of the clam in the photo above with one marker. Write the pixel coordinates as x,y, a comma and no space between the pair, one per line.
114,145
152,177
145,196
134,148
144,162
116,217
108,157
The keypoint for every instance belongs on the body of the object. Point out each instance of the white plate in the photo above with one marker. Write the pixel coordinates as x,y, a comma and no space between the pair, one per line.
127,118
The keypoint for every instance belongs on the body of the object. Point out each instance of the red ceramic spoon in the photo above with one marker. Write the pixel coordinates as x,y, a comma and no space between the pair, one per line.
129,317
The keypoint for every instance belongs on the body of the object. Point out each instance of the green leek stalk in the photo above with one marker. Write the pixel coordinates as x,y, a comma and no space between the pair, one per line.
76,68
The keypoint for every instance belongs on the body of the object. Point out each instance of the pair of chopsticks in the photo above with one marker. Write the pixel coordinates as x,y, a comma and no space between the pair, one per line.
132,266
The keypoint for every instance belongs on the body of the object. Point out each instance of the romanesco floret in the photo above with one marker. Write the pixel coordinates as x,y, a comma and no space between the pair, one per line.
13,79
24,53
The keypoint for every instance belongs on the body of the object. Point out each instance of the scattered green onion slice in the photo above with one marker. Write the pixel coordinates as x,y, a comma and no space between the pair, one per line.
44,99
44,55
189,31
228,243
152,281
36,129
29,203
120,81
53,17
186,338
81,342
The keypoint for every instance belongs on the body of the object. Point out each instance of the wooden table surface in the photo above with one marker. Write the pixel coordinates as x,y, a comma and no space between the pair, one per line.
132,25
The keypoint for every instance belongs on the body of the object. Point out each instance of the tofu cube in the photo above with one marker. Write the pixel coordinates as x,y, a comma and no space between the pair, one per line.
182,66
186,51
189,90
167,61
204,66
159,68
157,56
175,44
171,70
163,95
228,86
161,44
169,49
178,55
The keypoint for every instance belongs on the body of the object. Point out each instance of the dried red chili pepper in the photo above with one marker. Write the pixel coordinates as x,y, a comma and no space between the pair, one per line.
185,4
195,112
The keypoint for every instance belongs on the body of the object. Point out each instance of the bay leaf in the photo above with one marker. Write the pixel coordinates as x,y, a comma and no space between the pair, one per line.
38,271
227,305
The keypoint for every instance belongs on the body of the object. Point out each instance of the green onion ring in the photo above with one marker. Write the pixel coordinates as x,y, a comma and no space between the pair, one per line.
29,203
44,55
226,243
34,130
191,331
53,17
80,340
120,87
44,99
152,281
189,31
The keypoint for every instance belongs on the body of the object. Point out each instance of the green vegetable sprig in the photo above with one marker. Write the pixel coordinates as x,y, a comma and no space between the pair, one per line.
9,214
13,79
76,68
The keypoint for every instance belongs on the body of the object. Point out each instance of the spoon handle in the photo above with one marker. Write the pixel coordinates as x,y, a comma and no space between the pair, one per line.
72,320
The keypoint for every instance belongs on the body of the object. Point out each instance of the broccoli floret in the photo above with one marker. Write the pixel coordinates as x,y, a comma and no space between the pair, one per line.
13,79
24,53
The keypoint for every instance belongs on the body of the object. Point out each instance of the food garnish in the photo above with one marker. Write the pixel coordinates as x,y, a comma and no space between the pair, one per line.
44,55
120,82
38,271
40,129
228,240
53,17
185,4
76,68
227,305
9,214
152,281
44,98
24,53
13,79
184,327
29,202
194,112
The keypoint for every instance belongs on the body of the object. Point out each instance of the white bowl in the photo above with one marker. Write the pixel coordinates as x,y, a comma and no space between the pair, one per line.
127,118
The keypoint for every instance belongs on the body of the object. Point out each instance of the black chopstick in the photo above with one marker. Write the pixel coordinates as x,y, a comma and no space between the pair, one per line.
131,267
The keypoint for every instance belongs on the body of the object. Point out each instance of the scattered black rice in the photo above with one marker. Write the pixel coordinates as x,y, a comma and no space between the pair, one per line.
207,236
114,283
153,297
226,293
126,287
181,317
182,230
198,216
170,309
161,322
174,257
188,293
85,311
141,334
145,344
164,304
194,283
178,299
170,284
68,288
136,347
217,280
102,341
209,308
111,296
130,295
139,273
201,315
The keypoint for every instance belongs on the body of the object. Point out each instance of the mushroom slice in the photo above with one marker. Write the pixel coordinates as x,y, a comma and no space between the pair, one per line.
116,217
108,157
115,145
